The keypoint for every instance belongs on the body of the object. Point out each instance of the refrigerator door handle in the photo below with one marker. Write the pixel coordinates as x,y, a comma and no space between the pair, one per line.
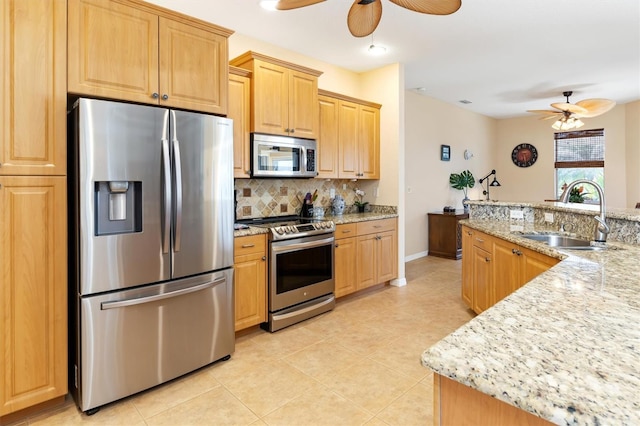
156,297
178,179
166,166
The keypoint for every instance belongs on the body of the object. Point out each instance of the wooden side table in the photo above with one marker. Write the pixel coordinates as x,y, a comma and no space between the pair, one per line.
445,238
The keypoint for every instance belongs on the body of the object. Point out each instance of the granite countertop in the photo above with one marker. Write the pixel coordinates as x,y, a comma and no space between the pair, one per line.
338,220
566,346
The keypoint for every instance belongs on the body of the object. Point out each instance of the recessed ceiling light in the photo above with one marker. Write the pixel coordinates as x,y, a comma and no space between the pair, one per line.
464,101
268,4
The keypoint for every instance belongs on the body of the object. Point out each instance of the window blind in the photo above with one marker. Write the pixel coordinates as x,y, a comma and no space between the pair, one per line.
583,148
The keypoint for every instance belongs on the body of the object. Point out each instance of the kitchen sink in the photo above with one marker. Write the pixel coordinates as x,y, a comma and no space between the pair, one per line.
553,240
564,242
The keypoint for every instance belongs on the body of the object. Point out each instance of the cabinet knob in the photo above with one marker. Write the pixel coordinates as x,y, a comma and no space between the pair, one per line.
155,95
486,259
516,251
293,130
165,97
287,130
264,257
337,246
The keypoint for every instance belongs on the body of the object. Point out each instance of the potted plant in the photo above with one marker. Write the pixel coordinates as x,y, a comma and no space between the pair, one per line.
358,202
462,181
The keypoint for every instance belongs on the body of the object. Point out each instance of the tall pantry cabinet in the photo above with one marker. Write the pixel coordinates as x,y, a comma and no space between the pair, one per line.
33,213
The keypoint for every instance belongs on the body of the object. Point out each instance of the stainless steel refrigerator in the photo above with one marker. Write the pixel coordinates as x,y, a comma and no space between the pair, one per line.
151,221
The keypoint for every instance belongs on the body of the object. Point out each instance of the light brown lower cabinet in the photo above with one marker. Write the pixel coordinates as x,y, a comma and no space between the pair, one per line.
460,405
33,291
493,268
250,280
366,254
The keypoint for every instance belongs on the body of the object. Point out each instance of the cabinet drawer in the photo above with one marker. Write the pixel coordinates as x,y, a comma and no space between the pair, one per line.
346,231
374,226
249,245
482,241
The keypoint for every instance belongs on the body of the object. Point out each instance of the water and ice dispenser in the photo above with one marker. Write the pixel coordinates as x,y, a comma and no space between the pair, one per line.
118,207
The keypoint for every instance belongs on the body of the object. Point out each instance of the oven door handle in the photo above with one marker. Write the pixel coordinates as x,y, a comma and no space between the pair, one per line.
289,246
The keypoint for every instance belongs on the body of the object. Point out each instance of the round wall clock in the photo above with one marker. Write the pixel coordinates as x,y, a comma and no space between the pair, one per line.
524,155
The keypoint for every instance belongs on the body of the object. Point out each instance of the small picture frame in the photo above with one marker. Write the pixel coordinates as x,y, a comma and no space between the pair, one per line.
445,152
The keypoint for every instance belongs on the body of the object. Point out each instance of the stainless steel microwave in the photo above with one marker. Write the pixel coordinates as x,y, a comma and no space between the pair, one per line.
282,156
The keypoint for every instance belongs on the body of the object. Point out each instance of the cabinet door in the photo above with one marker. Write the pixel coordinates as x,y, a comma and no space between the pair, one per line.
239,111
33,294
250,281
348,131
386,256
303,105
33,89
270,93
506,269
365,263
369,142
193,68
112,51
327,159
533,264
467,266
482,280
346,277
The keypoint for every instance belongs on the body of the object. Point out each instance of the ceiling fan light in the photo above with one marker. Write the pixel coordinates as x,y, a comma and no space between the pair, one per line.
376,49
268,4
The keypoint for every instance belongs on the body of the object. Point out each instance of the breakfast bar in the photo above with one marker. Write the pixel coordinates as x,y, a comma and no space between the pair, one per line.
564,348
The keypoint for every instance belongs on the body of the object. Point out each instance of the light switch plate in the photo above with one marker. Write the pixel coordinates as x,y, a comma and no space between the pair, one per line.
516,214
548,217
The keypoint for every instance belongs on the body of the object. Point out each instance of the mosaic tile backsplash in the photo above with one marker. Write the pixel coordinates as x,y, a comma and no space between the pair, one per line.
278,197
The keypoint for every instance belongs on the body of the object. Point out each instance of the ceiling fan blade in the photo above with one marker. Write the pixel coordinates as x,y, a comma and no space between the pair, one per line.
546,114
595,107
431,7
363,19
294,4
564,106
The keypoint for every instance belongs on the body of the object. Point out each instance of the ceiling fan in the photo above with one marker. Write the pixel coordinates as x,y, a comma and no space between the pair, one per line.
364,15
568,115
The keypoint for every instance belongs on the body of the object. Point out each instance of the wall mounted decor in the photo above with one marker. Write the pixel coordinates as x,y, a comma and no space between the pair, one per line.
524,155
445,152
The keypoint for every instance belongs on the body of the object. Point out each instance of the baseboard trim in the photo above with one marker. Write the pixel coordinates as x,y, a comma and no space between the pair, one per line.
416,256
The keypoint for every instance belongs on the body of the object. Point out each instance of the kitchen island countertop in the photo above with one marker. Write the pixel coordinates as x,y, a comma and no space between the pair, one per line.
565,347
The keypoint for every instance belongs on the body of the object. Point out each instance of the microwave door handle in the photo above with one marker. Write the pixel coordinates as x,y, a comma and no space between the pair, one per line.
177,164
303,166
166,169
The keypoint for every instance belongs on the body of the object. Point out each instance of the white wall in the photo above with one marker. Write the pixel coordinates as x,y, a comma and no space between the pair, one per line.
428,124
633,153
536,183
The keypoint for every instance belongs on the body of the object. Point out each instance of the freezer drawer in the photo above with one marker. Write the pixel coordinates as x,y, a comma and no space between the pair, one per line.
135,339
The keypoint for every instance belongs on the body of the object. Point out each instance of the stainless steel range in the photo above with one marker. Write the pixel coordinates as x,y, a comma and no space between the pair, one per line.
301,268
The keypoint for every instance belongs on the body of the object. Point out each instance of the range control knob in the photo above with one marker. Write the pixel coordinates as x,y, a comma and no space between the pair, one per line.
279,230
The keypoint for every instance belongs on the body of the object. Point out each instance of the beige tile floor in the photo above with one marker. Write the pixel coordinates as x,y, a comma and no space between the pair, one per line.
356,365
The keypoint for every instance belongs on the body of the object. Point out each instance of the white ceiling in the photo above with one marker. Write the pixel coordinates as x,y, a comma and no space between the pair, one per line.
505,56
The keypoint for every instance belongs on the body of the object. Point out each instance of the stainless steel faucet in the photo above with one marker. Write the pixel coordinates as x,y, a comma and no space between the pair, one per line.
602,229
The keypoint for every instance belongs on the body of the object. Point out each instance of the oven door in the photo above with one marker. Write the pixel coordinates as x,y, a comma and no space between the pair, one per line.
301,269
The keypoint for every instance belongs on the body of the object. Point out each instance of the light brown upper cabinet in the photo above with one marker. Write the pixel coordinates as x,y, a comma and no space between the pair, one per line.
240,112
284,96
349,142
134,51
33,90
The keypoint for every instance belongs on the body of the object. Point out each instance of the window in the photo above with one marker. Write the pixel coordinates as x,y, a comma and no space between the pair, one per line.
580,155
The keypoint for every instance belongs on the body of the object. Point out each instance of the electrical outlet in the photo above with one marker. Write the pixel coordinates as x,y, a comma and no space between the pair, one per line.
409,189
332,193
516,214
344,186
548,217
376,192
